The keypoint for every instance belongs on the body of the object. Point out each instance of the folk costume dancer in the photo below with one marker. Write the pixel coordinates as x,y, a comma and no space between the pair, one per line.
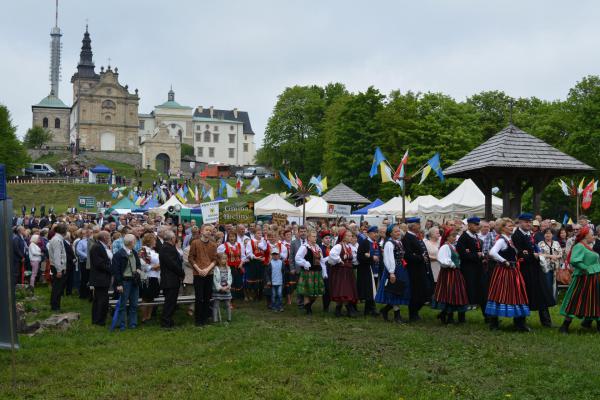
342,283
470,251
507,296
310,281
256,250
582,299
450,291
538,292
291,279
419,269
326,239
368,255
394,269
233,249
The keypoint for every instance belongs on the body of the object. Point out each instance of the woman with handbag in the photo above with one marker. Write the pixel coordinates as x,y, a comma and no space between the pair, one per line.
450,292
394,286
151,267
582,299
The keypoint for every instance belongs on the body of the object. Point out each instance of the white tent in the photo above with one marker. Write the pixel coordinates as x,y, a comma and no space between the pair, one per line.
465,200
274,203
391,207
171,202
316,207
421,202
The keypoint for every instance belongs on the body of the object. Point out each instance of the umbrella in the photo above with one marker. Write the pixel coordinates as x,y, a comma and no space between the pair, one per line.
115,318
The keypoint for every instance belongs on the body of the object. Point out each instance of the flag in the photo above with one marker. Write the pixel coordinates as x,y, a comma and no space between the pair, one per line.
425,172
222,187
595,185
564,187
231,191
292,180
386,173
580,187
179,197
400,170
434,163
378,158
285,180
586,197
317,182
255,183
238,185
565,219
298,182
139,200
570,221
115,194
324,184
196,194
211,193
204,192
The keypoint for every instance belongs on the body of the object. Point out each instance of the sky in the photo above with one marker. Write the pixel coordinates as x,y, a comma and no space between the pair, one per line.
243,54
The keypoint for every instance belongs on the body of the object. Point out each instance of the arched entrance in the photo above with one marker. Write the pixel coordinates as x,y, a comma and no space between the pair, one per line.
163,163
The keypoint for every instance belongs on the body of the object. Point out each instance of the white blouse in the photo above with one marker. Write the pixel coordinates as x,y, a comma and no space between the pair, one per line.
388,256
445,256
299,259
498,247
334,255
154,260
262,245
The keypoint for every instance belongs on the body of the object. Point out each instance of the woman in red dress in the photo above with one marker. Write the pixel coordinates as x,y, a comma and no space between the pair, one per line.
342,281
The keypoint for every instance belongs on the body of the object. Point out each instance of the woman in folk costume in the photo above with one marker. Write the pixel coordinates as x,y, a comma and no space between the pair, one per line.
235,262
291,280
257,253
310,282
342,283
582,299
450,292
394,270
507,296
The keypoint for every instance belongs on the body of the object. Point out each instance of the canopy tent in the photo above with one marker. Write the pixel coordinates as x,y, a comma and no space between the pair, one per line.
173,201
152,203
391,207
365,209
274,203
316,207
420,202
466,200
123,206
99,169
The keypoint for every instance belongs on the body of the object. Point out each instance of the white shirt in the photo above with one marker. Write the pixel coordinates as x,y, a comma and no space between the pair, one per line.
283,252
154,260
249,254
388,256
498,247
445,256
299,259
334,255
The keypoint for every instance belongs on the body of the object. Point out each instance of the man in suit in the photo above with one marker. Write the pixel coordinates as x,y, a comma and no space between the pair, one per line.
295,246
419,268
539,293
470,251
171,275
99,276
58,265
368,255
19,248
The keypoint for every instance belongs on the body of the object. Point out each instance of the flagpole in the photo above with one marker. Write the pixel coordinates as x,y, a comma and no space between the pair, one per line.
403,199
303,210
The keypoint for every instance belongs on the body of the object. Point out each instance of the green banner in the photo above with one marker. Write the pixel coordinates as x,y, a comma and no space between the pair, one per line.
236,213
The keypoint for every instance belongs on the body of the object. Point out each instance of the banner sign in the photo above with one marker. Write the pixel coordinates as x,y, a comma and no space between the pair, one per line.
210,212
279,219
237,213
339,209
87,202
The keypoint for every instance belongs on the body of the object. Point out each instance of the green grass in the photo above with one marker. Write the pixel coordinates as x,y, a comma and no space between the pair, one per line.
264,355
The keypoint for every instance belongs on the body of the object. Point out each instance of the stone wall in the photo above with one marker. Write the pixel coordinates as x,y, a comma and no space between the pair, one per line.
126,158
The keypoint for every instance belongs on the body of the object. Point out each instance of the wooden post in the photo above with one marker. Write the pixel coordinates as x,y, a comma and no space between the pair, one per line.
506,188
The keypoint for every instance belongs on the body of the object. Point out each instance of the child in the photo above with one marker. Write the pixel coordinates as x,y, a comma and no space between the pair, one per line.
275,276
221,287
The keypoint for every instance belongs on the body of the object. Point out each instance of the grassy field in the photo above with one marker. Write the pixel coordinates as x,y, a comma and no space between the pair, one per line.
265,355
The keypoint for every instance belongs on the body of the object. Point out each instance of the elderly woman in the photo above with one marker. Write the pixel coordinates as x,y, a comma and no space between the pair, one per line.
550,258
433,246
582,299
35,257
151,266
126,267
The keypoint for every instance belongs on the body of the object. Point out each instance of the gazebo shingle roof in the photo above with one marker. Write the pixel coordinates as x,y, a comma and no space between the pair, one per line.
513,148
344,195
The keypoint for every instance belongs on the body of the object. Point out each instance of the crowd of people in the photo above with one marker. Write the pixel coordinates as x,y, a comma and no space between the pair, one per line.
505,268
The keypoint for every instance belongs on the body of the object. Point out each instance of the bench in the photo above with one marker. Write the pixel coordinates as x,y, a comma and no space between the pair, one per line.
160,300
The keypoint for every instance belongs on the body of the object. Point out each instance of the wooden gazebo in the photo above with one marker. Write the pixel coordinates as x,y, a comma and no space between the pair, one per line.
342,194
514,160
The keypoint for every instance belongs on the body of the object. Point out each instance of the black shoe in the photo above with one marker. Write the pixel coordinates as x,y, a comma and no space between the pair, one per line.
351,311
494,323
449,319
338,311
397,317
564,328
461,318
442,317
414,318
384,313
545,318
586,324
522,327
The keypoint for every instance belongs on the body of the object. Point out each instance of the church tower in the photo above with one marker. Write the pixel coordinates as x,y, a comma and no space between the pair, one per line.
85,78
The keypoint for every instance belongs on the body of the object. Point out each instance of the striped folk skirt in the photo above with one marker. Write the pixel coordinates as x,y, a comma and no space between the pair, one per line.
507,296
254,275
310,283
237,283
291,281
450,291
582,299
342,284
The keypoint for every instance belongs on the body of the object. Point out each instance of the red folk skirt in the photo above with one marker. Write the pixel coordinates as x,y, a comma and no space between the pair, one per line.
507,286
451,288
342,283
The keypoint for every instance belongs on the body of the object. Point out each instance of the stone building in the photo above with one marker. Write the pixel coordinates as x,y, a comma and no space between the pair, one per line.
176,117
52,114
160,151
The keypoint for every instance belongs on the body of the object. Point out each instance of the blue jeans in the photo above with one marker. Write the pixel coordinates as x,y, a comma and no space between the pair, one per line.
129,302
276,300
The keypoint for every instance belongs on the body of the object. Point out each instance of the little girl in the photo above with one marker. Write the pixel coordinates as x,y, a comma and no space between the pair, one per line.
221,288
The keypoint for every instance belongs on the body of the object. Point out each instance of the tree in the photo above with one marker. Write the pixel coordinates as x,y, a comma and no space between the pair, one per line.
36,137
12,152
187,150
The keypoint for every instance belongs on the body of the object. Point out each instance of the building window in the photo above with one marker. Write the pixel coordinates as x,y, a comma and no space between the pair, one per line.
216,137
216,128
173,126
45,122
245,147
207,137
246,137
198,127
231,138
142,124
206,126
211,152
57,123
200,151
107,118
231,127
198,136
231,153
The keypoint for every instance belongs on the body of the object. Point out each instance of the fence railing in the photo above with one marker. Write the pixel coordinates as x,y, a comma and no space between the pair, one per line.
59,179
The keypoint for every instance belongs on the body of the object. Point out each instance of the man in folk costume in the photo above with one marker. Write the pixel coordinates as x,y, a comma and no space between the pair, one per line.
325,249
368,255
234,251
470,250
539,294
419,268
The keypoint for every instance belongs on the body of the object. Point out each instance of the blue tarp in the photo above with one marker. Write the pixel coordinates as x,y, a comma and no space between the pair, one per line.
101,169
365,209
152,203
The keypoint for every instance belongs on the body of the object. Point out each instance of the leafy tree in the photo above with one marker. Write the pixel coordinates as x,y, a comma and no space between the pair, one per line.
36,137
187,150
12,152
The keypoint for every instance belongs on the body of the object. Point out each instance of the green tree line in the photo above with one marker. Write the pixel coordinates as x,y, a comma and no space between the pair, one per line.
331,131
